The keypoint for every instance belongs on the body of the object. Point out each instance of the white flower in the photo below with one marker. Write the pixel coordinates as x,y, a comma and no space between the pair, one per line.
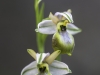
50,26
45,65
61,26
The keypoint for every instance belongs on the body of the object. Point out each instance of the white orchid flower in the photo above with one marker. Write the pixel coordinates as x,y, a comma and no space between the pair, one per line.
45,65
61,26
50,26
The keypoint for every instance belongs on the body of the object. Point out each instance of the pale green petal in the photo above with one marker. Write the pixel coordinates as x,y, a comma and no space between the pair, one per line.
52,57
53,18
46,27
72,29
40,57
32,53
59,68
30,69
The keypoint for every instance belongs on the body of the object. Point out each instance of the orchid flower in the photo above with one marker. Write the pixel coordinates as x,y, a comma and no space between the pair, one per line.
49,26
61,26
45,64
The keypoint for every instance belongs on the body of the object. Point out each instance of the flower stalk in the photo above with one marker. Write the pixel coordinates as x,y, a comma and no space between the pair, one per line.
39,16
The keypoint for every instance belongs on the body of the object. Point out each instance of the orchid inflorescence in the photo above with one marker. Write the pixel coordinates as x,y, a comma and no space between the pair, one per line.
61,26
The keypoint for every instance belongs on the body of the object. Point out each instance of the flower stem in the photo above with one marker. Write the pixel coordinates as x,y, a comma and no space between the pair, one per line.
39,16
40,44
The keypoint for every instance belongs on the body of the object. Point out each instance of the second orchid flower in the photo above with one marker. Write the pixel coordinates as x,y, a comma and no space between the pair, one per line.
45,64
61,26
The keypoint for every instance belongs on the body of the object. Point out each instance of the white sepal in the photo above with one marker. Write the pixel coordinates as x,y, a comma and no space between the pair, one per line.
72,29
59,15
46,27
30,69
67,15
59,68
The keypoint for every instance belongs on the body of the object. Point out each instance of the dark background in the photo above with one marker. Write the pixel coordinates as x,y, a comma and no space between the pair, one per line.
17,24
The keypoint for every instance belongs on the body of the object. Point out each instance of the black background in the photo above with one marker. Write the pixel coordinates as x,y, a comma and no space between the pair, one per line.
17,24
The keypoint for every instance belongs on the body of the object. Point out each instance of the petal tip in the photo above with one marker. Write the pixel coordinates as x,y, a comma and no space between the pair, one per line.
80,30
53,18
70,71
69,54
69,10
29,50
59,51
36,30
32,53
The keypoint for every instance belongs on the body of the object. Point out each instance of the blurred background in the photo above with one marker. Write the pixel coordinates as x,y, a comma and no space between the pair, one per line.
17,34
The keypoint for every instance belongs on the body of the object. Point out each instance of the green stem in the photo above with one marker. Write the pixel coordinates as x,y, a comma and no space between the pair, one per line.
40,44
39,16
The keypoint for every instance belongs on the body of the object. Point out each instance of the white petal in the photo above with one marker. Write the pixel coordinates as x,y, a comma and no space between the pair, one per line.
59,15
67,15
40,57
30,69
72,29
46,27
59,68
